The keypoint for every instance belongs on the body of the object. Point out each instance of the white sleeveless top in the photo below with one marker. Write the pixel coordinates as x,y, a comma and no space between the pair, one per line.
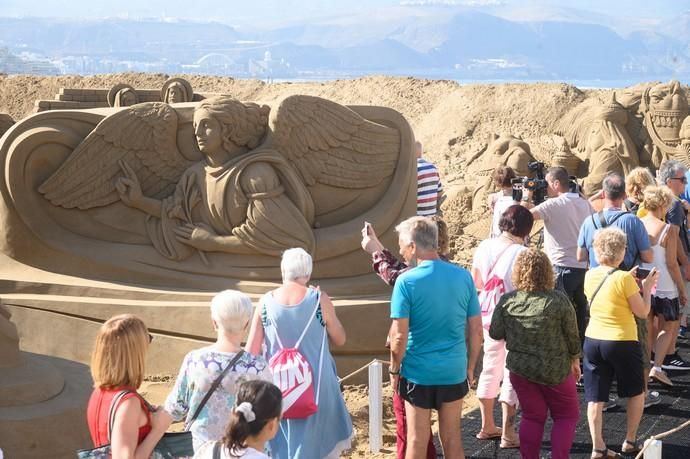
665,287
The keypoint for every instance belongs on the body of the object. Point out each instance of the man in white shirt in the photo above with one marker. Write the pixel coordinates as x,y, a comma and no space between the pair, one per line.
563,214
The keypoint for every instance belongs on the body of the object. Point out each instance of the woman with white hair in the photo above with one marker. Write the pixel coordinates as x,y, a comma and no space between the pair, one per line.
315,421
224,361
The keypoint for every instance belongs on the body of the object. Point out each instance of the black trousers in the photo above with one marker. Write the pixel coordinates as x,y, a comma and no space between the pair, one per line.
571,281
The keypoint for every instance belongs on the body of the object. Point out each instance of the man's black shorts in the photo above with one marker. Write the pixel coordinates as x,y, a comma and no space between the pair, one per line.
431,397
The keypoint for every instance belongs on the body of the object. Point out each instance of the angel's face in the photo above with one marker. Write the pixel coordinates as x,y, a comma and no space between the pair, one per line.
208,132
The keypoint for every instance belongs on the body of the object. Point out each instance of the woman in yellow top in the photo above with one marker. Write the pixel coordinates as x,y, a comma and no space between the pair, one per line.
611,345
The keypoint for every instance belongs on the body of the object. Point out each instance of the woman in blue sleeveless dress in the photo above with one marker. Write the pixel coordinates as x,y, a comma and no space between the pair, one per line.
297,316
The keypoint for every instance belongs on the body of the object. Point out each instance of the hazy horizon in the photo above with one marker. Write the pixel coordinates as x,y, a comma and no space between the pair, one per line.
275,12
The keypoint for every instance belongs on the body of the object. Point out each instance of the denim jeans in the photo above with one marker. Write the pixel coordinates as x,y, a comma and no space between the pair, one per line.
571,281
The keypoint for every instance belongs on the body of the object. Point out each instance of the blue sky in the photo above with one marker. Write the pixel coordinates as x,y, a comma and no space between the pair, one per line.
277,11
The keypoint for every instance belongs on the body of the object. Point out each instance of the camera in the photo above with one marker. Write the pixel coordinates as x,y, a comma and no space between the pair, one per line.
537,184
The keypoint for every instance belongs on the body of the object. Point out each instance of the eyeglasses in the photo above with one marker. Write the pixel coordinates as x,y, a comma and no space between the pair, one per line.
682,179
150,338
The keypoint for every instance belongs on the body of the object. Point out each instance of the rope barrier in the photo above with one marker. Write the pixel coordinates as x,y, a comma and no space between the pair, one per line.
660,436
359,370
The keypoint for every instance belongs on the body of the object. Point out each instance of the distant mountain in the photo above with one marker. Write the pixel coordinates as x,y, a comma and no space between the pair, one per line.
462,42
56,37
563,48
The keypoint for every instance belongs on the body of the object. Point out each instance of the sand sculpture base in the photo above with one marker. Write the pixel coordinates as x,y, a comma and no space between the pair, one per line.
60,315
43,406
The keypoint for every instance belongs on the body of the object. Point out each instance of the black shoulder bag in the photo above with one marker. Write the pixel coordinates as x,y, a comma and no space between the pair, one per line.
173,444
611,271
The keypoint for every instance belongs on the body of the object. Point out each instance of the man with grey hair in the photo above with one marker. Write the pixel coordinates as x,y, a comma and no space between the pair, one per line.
638,248
431,306
672,175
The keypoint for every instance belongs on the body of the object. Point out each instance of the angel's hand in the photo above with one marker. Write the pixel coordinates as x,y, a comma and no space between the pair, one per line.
128,186
200,236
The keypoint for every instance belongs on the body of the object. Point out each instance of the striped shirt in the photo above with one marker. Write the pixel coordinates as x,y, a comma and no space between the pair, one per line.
429,188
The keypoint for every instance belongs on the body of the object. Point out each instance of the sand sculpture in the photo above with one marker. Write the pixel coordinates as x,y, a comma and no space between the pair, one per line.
600,134
638,126
176,90
42,400
77,98
217,190
122,95
6,122
502,150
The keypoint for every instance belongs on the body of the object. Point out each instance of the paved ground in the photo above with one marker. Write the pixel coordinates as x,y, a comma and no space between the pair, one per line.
673,410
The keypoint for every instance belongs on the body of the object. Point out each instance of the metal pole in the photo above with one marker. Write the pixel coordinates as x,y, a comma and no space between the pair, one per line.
375,406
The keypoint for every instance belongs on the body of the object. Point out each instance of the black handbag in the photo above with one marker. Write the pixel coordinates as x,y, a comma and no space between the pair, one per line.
173,445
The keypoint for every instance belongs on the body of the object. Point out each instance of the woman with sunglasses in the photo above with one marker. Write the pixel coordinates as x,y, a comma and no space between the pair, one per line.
118,368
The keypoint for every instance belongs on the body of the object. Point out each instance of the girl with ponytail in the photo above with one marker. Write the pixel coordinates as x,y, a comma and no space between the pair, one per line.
254,420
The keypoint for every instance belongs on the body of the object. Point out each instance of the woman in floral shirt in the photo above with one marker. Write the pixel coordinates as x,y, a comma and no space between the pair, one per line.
230,312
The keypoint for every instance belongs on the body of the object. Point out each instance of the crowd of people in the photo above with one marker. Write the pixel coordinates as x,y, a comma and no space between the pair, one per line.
278,394
603,302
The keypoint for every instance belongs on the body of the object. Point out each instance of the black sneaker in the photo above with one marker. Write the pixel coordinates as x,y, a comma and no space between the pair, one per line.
682,332
675,362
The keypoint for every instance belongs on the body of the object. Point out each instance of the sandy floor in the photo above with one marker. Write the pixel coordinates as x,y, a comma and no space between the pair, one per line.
357,399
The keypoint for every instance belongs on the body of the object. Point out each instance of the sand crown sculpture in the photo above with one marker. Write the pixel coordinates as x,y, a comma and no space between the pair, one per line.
217,188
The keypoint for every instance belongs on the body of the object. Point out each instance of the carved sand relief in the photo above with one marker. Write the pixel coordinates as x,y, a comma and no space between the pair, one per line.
218,185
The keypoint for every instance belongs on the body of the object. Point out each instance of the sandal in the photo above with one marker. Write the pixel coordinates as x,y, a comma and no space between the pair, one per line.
489,436
634,447
509,444
604,454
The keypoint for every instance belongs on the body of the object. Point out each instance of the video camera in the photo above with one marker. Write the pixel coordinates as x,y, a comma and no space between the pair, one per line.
538,184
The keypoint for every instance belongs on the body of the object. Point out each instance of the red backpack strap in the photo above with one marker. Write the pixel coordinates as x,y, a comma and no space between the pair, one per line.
500,255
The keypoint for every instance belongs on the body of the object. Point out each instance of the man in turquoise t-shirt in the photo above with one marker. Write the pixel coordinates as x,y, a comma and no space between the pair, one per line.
430,307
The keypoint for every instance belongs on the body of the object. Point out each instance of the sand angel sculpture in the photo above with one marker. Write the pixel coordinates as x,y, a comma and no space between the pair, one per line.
256,190
122,95
176,90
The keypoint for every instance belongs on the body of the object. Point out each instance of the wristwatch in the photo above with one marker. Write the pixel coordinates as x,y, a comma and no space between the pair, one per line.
525,199
394,373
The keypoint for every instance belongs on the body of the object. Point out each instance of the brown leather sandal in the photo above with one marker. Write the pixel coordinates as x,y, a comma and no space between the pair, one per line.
633,446
604,454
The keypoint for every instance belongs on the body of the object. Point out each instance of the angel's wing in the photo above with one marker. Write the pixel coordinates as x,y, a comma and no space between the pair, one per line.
143,136
331,144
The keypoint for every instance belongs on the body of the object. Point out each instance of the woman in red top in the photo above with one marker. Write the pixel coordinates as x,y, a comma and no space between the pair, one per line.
117,364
